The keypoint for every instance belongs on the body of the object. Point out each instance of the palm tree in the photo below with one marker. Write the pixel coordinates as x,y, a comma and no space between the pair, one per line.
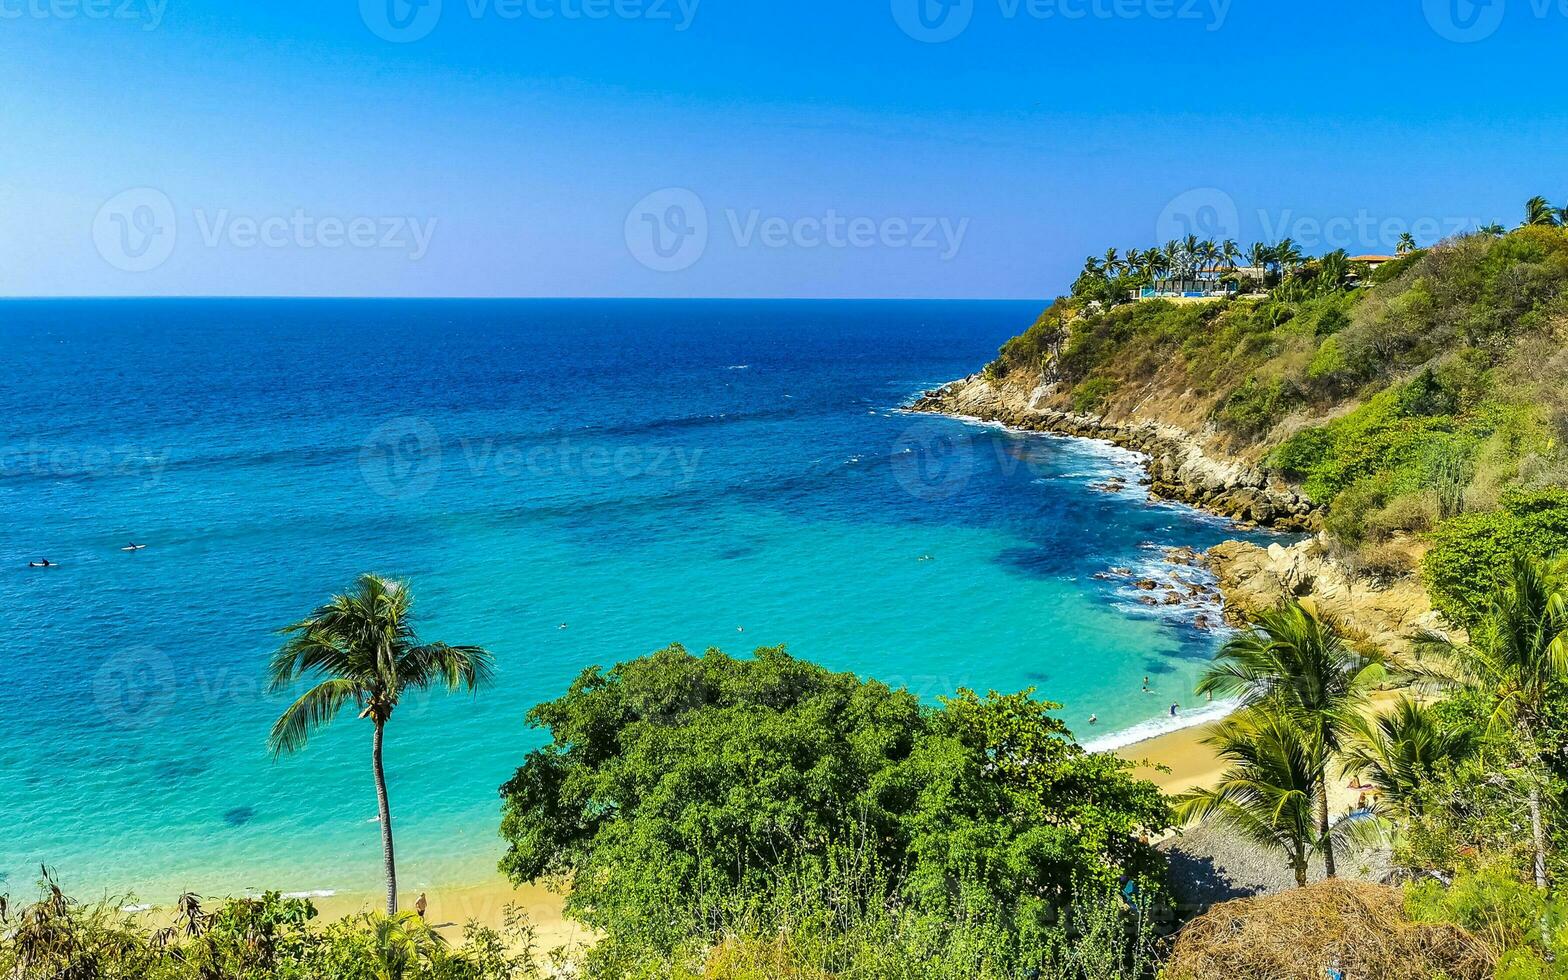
1333,271
1407,244
1539,212
1230,252
401,945
1259,256
361,648
1400,750
1295,665
1518,654
1287,255
1113,262
1270,789
1494,229
1209,252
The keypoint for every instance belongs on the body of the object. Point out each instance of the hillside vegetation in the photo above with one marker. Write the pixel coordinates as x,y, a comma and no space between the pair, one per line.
1423,401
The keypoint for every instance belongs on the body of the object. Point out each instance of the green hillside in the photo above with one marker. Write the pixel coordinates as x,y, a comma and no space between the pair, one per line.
1423,403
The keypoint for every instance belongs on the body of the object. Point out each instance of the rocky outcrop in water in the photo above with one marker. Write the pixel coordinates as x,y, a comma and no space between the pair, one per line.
1179,468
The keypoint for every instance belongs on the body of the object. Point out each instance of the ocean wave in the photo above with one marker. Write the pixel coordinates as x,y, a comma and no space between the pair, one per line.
1156,727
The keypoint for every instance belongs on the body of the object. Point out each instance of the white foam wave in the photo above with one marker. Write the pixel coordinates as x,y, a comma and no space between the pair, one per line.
1154,728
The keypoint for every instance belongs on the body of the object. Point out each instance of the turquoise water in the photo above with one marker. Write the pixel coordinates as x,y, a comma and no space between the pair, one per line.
566,483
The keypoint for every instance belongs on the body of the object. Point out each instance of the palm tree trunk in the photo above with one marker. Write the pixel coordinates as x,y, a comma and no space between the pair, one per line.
1300,865
386,822
1329,869
1538,834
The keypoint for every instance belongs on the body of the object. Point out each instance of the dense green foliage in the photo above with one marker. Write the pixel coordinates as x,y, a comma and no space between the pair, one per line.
270,938
1471,553
680,793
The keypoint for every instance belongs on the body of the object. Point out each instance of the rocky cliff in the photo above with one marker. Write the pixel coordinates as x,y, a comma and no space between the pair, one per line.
1179,466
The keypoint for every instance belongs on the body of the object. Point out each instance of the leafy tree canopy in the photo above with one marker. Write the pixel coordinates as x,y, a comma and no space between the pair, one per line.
678,785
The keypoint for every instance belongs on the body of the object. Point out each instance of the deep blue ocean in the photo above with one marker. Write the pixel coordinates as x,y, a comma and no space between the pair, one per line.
568,483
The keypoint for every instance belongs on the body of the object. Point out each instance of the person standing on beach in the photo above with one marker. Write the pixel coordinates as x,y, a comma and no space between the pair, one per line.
420,905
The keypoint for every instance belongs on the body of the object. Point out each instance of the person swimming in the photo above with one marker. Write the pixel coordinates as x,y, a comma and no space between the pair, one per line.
1094,719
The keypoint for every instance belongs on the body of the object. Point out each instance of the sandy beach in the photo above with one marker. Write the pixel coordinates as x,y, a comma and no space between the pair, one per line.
1189,761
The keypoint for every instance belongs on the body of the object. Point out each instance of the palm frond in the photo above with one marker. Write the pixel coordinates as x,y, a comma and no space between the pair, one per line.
314,709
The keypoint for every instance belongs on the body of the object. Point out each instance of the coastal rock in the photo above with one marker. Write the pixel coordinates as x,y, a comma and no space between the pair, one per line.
1386,616
1178,466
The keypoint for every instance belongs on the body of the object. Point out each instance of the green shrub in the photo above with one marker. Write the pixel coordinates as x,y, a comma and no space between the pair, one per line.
683,792
1410,513
1091,396
1257,406
1470,552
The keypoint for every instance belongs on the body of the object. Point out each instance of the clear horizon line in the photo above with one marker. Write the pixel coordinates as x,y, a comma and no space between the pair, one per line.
477,298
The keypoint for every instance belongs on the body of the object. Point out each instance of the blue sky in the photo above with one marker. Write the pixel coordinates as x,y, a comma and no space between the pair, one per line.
725,148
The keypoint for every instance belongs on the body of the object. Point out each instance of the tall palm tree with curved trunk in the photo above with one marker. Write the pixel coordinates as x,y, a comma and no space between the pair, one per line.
1270,790
1295,665
361,648
1518,655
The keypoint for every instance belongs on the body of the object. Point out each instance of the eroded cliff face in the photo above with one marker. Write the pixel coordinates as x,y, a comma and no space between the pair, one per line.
1388,616
1180,467
1184,468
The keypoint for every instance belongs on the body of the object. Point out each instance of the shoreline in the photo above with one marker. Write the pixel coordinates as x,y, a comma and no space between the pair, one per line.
1175,461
